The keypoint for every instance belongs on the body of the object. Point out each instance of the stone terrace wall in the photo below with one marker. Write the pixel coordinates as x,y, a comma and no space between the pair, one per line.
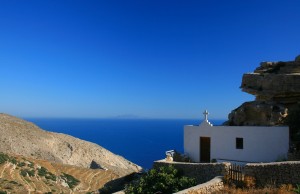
213,185
294,156
274,173
202,172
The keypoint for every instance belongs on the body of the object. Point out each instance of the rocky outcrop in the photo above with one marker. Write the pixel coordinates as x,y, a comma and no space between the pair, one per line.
276,86
24,138
258,113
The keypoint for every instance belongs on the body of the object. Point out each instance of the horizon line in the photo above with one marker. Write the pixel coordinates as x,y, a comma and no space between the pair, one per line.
121,118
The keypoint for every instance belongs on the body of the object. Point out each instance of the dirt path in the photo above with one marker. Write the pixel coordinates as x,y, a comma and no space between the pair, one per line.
6,165
11,172
90,182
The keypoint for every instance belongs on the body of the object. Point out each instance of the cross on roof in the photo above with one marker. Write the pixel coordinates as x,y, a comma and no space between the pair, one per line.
205,114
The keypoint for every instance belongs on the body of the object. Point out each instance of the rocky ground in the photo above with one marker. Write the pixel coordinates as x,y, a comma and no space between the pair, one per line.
20,137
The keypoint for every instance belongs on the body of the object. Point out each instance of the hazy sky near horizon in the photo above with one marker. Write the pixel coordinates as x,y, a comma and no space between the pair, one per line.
145,58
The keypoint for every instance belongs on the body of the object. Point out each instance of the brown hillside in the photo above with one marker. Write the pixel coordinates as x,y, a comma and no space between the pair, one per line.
24,138
23,175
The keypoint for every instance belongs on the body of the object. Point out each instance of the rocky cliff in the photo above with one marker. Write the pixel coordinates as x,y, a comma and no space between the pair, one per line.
276,86
24,138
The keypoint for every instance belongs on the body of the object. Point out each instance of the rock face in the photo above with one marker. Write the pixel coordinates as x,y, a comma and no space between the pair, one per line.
276,86
24,138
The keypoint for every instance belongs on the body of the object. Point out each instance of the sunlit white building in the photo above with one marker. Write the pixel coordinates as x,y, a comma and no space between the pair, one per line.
205,142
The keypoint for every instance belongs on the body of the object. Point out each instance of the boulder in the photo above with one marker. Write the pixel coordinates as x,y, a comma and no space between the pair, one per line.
258,113
276,87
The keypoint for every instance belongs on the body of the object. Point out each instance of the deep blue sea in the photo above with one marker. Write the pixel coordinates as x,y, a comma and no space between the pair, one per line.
141,141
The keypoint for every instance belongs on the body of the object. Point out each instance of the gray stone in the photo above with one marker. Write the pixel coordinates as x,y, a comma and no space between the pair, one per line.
24,138
276,86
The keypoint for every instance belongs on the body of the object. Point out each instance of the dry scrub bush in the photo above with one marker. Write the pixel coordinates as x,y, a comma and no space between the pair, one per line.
283,189
249,182
248,187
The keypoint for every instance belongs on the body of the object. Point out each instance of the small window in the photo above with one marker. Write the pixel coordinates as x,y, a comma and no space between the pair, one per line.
239,143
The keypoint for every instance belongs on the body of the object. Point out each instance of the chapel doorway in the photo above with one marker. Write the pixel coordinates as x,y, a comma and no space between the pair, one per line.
204,149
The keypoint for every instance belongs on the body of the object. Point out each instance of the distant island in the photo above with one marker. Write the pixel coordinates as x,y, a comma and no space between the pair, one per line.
35,160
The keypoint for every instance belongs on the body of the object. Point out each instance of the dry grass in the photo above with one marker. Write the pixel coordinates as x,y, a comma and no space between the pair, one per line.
283,189
12,181
248,186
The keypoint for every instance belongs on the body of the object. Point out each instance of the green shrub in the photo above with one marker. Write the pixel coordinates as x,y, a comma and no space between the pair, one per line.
164,180
23,172
21,164
13,160
70,180
14,182
42,171
31,165
297,190
31,172
50,176
3,158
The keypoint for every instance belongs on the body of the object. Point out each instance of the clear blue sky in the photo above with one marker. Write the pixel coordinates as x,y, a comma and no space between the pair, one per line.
148,58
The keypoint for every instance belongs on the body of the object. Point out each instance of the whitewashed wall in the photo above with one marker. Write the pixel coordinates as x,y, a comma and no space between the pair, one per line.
261,144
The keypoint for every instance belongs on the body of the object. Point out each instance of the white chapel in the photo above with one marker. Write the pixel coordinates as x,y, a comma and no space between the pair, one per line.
205,142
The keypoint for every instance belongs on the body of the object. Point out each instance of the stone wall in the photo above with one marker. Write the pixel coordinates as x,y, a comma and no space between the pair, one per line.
202,172
295,156
213,185
276,173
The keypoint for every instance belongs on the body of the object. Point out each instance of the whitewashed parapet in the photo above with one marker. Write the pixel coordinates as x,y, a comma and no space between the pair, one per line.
120,192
